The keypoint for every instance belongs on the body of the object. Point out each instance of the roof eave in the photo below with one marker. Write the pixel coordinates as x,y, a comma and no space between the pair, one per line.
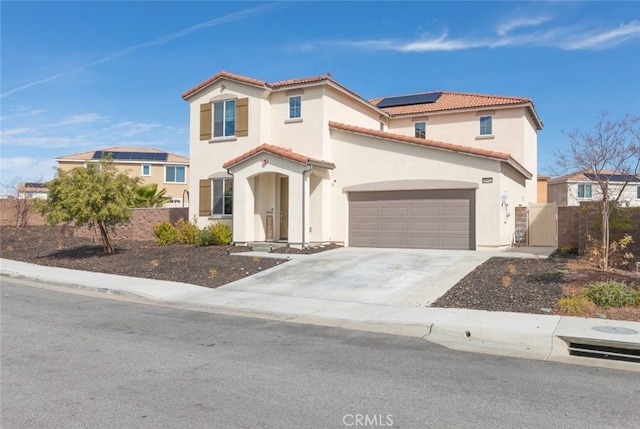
506,159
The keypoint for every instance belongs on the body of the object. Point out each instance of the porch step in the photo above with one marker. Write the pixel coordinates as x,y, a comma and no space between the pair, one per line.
266,246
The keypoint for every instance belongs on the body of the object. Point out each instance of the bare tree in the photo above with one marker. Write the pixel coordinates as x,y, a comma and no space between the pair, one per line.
610,155
18,202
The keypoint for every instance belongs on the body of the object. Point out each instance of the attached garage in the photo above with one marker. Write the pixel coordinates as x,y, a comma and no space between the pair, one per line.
418,219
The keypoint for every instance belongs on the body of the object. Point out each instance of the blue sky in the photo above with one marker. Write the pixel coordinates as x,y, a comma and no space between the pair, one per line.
78,76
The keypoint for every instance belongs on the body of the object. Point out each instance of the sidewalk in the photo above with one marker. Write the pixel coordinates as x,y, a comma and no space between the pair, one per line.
508,334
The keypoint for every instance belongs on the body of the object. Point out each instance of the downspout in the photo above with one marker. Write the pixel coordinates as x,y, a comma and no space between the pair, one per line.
310,168
233,242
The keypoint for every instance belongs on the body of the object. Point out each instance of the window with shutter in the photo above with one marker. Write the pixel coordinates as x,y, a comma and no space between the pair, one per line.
205,121
226,118
205,198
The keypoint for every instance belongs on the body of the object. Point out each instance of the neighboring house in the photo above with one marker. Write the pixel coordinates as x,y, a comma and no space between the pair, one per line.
543,184
574,188
309,161
165,169
28,190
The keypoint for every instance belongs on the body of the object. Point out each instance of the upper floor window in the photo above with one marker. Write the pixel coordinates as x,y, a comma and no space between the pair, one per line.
295,107
420,130
175,174
486,126
584,191
146,170
224,118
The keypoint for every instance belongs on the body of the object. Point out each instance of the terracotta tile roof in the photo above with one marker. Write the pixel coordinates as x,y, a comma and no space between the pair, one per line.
453,100
273,85
326,76
227,75
281,152
85,156
432,144
446,102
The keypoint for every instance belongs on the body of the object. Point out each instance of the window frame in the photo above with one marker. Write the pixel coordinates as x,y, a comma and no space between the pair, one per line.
585,195
486,125
175,175
225,201
420,130
295,109
142,173
224,108
638,192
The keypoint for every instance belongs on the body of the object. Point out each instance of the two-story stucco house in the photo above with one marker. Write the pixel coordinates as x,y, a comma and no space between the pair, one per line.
582,186
308,161
152,166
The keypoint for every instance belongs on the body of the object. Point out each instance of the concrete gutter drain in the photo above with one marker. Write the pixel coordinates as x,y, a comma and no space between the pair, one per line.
603,349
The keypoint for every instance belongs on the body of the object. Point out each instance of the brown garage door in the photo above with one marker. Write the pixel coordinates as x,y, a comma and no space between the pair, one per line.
434,219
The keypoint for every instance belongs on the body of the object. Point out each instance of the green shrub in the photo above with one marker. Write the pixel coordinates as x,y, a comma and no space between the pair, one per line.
575,306
611,294
188,232
165,233
215,234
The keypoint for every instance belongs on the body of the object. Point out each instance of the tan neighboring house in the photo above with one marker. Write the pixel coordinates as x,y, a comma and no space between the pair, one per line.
27,190
308,161
582,186
165,169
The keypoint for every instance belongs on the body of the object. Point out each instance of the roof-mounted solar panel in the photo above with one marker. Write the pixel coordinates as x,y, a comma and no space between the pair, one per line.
132,156
407,100
615,177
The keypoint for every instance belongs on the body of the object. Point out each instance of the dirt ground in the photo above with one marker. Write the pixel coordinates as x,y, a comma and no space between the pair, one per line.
500,284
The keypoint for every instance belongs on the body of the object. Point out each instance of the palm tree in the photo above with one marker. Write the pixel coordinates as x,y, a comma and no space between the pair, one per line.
149,196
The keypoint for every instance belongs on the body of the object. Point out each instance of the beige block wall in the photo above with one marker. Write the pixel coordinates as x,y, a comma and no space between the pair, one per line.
8,213
140,226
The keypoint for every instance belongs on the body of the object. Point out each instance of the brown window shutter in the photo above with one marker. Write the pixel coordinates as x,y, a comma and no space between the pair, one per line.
205,197
205,121
242,117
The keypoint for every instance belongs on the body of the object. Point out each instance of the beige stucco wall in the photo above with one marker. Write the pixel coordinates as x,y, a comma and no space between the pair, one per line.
388,161
513,133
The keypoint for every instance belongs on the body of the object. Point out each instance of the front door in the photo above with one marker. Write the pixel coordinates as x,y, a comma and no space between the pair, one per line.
284,208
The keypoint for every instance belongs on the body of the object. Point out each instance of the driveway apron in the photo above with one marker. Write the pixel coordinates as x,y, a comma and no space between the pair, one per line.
371,276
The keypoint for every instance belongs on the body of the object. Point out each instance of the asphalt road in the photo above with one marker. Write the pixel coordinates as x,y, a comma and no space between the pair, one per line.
70,361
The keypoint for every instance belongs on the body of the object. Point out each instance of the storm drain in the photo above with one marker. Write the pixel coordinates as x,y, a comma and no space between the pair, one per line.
604,352
612,350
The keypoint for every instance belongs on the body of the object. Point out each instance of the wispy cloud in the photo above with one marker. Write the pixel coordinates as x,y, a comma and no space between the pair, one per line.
86,118
129,128
574,37
156,42
509,26
603,38
424,44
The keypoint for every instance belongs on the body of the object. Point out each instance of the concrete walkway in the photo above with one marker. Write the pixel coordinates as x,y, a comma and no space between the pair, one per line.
279,293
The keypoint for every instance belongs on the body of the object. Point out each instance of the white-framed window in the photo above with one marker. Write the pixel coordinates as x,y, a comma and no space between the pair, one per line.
146,170
224,118
222,198
295,107
585,191
486,125
175,174
420,130
638,192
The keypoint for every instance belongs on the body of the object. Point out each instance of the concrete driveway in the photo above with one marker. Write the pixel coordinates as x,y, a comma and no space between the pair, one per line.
370,276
